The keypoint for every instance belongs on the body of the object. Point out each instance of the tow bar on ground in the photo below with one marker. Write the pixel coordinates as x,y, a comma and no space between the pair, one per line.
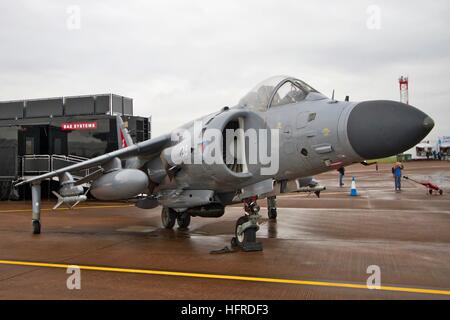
427,184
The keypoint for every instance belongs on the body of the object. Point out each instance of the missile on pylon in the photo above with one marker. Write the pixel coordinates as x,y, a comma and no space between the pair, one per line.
70,201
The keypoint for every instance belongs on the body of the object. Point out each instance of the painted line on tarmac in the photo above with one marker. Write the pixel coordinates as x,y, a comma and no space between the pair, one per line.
62,209
225,277
358,210
294,195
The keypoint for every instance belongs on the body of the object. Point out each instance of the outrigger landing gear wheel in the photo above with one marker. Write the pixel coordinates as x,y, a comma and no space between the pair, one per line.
168,217
183,220
36,227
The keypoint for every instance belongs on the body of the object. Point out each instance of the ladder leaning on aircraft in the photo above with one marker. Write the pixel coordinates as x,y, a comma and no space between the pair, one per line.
313,134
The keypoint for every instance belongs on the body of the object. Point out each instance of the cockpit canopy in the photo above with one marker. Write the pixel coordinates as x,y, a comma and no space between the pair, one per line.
278,91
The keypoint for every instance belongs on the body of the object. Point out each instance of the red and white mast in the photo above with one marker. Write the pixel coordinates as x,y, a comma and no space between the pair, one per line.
403,83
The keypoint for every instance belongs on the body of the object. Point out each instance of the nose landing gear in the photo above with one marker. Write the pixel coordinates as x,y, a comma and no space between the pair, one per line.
247,226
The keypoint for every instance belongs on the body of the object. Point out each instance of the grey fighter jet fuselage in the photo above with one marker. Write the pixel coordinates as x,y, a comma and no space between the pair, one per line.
283,130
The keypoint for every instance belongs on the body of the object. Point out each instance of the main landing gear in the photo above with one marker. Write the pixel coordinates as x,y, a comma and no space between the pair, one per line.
245,229
169,216
247,226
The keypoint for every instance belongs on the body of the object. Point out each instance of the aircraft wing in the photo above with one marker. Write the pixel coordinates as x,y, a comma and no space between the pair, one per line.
148,148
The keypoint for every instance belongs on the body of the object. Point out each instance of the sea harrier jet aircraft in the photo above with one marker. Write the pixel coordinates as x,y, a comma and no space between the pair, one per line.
281,131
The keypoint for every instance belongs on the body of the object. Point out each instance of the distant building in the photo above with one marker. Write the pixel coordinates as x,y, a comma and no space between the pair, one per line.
424,150
443,146
37,136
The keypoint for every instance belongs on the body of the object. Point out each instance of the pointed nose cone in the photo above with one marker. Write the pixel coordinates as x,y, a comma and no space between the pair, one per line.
382,128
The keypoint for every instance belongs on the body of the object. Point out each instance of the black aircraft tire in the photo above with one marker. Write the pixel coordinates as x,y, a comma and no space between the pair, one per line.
183,220
168,217
272,213
36,227
249,235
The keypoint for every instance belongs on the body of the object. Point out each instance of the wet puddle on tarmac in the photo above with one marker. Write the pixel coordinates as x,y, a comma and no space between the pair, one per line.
137,229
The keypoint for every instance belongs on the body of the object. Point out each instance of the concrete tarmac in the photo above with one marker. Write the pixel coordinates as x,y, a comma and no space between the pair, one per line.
321,247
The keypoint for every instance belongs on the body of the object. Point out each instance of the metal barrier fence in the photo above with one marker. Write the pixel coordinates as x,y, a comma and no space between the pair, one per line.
32,165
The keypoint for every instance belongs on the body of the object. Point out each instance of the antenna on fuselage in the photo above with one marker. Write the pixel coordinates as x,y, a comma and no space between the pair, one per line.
332,98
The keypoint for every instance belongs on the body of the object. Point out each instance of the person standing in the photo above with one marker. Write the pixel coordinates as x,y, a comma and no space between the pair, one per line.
341,171
397,172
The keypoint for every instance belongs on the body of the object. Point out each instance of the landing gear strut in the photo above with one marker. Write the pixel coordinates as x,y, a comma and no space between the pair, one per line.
36,204
272,207
246,227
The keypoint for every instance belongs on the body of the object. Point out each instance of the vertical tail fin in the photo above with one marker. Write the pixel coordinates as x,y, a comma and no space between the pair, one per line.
123,135
125,140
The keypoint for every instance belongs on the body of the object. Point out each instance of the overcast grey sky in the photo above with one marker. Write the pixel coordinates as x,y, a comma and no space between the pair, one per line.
182,59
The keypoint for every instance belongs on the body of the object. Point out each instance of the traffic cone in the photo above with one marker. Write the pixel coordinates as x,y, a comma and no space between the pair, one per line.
353,191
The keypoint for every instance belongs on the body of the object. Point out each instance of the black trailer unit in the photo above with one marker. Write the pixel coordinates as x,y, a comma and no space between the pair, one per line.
39,135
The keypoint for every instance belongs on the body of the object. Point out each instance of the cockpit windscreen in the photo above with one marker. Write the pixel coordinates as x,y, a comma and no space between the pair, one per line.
276,91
